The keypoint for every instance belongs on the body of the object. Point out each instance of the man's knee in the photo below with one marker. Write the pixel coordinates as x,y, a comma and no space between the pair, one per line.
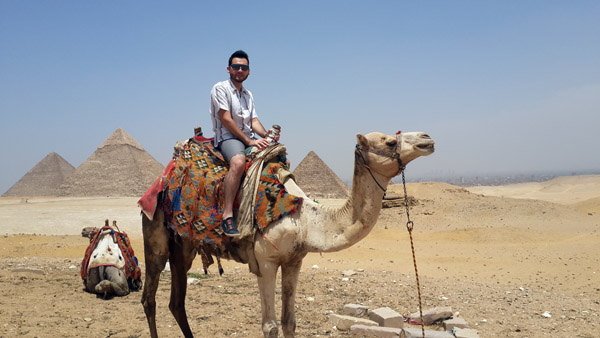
237,162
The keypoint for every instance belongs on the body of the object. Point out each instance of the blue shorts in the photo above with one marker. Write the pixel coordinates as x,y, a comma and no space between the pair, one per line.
231,147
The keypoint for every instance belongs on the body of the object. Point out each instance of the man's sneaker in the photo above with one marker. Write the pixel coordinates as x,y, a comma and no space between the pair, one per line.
229,229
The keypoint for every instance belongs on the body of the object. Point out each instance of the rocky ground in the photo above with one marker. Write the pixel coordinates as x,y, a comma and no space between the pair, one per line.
53,304
510,268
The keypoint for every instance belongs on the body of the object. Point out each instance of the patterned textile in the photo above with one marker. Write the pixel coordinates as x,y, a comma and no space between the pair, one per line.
273,201
149,201
194,196
132,270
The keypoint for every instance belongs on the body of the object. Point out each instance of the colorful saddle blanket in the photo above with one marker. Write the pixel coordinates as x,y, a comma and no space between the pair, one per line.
193,196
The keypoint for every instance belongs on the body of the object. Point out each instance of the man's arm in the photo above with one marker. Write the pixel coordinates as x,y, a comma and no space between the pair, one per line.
227,122
258,128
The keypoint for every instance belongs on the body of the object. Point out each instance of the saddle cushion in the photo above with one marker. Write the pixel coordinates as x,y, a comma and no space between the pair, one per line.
194,195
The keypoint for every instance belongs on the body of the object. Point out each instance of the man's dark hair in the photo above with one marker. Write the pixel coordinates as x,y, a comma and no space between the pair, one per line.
239,54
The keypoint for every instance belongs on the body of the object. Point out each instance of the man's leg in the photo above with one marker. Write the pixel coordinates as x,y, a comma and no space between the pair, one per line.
232,183
233,151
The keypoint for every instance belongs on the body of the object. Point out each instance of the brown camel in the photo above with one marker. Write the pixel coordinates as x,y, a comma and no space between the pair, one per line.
313,228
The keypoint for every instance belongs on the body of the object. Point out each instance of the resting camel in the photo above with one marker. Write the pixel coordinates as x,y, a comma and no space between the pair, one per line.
106,267
313,228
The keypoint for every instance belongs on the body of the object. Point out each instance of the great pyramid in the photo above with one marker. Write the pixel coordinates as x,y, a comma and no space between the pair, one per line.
317,180
44,179
119,167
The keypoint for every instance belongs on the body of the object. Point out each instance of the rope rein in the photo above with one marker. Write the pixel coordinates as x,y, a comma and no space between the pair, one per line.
409,224
359,150
391,154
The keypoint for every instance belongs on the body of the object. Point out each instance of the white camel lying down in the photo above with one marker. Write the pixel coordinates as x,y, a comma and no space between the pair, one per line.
104,267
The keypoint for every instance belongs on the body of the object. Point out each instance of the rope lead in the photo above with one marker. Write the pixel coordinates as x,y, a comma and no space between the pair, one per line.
409,226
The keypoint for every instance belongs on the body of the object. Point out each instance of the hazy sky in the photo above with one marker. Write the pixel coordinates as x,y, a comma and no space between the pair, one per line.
500,85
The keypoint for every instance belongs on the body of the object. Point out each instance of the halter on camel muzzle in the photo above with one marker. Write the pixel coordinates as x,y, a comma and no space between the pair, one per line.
391,154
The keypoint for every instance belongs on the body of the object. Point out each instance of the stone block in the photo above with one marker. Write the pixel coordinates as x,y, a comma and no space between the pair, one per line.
356,310
451,323
413,332
375,331
344,323
432,315
387,317
465,333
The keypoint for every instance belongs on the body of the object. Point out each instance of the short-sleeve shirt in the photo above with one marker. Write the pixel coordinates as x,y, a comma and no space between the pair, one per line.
225,96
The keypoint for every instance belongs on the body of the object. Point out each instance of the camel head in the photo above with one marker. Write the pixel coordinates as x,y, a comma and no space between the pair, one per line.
388,154
87,232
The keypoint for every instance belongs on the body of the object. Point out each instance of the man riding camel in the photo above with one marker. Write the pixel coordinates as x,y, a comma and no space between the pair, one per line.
236,127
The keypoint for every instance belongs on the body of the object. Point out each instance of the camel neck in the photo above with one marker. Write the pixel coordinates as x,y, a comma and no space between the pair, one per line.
345,226
367,195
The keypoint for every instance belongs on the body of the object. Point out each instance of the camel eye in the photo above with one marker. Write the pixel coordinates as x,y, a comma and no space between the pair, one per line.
391,143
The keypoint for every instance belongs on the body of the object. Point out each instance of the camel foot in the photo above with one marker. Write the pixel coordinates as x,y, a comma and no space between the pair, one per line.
107,287
270,330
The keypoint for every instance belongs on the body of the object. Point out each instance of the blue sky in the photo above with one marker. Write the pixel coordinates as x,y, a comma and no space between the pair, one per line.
502,86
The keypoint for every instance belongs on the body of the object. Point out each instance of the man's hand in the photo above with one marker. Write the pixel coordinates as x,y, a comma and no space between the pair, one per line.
260,144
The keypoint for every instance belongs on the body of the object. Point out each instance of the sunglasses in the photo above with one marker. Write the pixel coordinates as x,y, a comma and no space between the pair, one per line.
238,67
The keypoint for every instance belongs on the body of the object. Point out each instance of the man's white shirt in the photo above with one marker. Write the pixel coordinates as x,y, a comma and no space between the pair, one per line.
225,96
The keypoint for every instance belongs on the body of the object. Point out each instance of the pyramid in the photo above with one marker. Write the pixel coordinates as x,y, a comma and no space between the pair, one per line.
317,180
44,179
119,167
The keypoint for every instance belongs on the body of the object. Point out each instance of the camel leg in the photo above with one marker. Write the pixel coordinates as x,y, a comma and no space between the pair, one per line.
156,253
93,278
114,282
182,256
266,285
289,280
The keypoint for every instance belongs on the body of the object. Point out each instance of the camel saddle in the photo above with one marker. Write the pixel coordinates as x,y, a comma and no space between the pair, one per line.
192,194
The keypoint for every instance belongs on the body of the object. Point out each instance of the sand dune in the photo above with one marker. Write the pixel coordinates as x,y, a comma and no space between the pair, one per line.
563,190
591,206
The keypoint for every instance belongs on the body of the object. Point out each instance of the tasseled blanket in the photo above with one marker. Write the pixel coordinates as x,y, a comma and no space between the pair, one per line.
192,197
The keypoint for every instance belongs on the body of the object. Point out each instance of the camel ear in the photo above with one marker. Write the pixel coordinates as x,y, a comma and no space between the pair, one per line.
362,141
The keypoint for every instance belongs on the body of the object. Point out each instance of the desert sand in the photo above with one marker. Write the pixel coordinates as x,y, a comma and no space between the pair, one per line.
500,256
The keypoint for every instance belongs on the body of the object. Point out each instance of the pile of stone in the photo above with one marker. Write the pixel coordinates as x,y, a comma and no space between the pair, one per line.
385,322
393,200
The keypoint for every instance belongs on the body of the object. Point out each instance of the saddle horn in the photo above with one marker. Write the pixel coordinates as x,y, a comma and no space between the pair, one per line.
115,226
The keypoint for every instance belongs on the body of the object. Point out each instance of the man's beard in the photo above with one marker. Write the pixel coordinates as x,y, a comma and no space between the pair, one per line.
238,78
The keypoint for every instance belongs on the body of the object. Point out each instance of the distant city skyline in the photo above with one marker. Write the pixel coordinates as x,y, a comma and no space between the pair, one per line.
471,179
501,86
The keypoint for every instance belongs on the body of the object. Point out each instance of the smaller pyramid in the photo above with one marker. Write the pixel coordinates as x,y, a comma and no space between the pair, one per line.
119,167
44,179
317,180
